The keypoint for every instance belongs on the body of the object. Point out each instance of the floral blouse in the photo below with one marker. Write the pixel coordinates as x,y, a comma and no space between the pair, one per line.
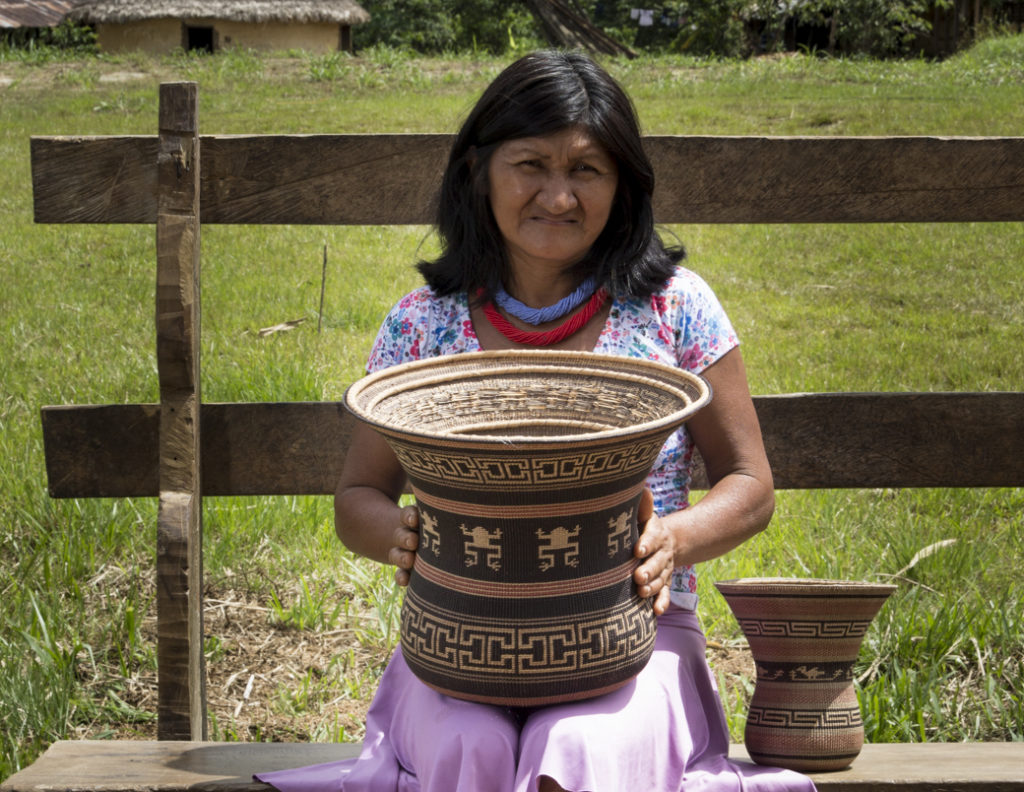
683,325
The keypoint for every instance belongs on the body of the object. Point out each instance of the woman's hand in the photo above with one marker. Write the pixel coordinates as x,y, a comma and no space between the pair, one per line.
367,517
407,539
656,549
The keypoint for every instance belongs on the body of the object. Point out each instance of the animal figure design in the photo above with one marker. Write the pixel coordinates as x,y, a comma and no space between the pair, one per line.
618,539
430,539
482,546
558,543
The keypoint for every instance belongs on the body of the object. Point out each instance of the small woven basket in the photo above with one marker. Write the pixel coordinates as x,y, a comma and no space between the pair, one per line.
805,635
528,467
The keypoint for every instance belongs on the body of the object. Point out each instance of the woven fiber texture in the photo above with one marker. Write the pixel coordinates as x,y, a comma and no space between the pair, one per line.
528,467
805,636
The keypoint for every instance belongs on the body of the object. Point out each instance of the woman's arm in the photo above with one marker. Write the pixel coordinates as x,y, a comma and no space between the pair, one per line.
741,499
367,517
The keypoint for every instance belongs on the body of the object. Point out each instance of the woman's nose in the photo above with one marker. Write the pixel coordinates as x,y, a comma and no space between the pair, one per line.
557,194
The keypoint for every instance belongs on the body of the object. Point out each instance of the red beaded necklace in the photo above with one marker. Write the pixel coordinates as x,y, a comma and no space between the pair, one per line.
546,337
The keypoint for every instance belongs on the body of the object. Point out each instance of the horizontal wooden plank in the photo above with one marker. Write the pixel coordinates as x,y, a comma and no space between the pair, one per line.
322,179
166,765
102,451
814,441
134,766
105,451
837,179
830,440
392,179
94,179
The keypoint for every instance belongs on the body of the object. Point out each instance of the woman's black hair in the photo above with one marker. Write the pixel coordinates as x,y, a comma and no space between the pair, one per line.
541,94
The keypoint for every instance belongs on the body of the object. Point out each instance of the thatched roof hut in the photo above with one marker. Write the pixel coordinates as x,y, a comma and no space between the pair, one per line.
32,13
162,25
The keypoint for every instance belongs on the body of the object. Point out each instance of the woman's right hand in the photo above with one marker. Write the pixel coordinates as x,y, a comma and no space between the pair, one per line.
407,539
367,517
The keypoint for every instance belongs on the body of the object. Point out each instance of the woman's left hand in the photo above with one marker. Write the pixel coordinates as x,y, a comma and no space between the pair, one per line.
656,549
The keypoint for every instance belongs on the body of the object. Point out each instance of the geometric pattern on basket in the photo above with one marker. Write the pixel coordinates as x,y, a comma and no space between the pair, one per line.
781,718
787,628
477,469
528,590
457,503
494,648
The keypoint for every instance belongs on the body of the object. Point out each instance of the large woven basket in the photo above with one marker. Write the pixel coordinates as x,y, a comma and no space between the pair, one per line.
528,467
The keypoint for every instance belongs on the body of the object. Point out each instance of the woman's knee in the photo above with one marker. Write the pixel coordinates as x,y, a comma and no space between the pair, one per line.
471,760
475,744
571,733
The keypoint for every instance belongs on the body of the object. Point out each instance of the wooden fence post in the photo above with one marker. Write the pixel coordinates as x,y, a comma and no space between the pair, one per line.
181,693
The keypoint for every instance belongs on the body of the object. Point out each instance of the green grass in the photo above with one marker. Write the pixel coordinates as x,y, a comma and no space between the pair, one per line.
886,307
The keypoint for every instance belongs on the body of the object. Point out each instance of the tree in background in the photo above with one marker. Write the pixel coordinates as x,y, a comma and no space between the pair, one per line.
873,27
698,27
721,28
434,26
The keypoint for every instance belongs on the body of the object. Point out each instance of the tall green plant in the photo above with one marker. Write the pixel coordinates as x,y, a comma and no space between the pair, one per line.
67,38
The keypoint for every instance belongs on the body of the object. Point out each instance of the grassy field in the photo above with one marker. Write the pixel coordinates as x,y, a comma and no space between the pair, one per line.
298,628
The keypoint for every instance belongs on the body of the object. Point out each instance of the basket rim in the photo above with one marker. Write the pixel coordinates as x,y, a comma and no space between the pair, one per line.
807,587
540,361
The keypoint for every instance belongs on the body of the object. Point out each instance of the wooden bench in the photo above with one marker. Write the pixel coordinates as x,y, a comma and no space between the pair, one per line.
182,449
78,765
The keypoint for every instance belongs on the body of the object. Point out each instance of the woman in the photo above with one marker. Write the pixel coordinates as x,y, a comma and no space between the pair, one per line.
548,240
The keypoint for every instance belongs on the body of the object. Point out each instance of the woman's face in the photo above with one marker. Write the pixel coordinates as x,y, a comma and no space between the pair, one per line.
551,196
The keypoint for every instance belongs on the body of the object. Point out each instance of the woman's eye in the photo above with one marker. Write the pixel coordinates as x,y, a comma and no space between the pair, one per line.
529,163
585,167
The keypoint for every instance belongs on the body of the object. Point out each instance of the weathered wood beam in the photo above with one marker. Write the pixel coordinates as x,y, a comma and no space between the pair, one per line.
837,179
131,766
180,662
393,179
827,440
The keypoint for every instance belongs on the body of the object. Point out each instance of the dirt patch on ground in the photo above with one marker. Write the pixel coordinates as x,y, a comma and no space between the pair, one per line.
270,682
122,77
266,682
732,663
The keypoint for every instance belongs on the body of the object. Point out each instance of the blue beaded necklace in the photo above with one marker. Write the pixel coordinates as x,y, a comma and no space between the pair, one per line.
550,313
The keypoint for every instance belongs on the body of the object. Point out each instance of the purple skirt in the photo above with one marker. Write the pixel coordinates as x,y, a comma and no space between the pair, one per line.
664,731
